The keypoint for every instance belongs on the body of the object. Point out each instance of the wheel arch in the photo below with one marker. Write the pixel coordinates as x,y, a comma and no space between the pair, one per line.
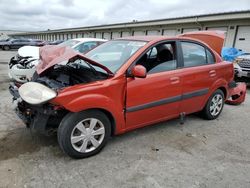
220,84
224,90
112,109
110,117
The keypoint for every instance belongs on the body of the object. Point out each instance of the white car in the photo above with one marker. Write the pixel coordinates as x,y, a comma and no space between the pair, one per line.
242,66
23,65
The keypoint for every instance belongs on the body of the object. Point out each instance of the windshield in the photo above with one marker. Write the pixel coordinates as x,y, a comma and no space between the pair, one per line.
114,54
69,43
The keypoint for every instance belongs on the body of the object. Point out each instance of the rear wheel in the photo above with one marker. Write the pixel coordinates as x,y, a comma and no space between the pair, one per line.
214,105
84,134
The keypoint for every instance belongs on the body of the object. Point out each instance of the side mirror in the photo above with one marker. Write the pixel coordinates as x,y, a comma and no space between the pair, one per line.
139,71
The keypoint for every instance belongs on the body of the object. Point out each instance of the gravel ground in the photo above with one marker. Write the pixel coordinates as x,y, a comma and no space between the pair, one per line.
197,154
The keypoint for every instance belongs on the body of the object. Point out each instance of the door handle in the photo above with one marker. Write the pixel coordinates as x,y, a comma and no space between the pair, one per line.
174,80
212,73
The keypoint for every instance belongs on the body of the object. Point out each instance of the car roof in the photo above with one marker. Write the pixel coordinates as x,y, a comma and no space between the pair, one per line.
213,39
89,39
147,38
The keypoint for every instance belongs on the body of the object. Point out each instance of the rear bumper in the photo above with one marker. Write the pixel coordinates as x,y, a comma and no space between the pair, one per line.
237,94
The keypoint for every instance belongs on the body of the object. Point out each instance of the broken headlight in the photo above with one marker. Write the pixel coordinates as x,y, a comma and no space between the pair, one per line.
36,93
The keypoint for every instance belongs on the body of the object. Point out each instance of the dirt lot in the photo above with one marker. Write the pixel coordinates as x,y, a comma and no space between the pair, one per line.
197,154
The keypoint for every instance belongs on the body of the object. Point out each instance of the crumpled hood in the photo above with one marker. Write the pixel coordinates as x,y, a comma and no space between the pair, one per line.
53,55
29,51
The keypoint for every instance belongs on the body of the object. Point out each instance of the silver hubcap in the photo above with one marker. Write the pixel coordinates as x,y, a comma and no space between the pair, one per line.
216,105
87,135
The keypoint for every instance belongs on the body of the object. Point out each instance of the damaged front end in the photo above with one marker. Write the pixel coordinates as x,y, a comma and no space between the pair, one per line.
22,66
40,116
22,70
33,99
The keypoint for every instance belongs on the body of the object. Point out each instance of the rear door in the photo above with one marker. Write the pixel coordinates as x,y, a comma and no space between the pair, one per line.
156,97
198,75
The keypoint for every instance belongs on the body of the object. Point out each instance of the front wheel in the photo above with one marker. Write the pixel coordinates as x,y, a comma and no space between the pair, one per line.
6,47
84,134
214,105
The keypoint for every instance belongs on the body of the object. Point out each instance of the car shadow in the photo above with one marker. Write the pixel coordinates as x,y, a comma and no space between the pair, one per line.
21,141
171,133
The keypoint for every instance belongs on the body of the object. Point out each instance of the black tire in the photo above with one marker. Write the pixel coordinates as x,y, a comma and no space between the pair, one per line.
6,47
68,126
206,112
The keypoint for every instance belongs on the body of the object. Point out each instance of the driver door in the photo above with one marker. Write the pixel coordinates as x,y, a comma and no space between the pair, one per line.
156,97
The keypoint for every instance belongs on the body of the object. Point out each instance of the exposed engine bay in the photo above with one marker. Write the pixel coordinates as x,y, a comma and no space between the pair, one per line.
70,74
46,117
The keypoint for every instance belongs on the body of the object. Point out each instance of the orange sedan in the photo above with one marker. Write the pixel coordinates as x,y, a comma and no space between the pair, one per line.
122,85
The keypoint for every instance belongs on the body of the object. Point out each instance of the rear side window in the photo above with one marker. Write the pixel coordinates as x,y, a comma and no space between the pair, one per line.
196,55
210,57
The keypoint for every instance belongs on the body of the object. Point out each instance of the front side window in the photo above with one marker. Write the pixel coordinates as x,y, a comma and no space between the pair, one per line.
113,54
159,58
194,54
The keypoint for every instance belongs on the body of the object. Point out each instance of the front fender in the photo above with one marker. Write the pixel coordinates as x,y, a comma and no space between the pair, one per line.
96,101
89,101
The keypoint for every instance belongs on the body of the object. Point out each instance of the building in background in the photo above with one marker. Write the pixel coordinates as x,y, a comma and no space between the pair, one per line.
5,34
235,24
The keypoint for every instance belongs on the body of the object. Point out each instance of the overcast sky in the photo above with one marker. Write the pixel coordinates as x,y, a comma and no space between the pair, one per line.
33,15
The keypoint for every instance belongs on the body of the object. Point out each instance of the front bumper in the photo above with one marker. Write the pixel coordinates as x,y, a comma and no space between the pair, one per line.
41,118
